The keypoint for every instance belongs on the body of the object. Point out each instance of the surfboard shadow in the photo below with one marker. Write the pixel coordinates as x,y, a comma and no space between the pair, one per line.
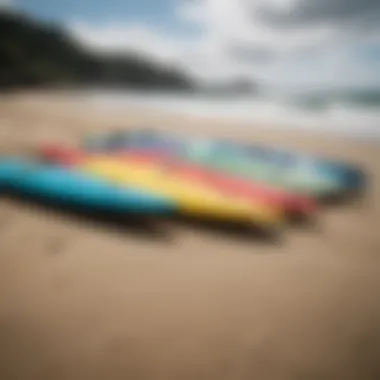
230,230
343,198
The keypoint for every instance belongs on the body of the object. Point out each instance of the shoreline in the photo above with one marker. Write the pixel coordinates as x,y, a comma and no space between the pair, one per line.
87,99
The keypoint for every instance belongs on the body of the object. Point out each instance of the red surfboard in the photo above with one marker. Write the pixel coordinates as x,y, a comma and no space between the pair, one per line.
294,205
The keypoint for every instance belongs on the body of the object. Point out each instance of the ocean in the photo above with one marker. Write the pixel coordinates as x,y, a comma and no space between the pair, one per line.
318,115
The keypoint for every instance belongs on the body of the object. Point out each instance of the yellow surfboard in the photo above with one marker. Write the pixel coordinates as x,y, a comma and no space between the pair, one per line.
192,198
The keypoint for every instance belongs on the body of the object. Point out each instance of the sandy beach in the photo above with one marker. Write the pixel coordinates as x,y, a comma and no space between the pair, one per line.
84,299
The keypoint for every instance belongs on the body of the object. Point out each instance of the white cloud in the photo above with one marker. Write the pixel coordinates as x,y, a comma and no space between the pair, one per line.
229,21
223,24
136,37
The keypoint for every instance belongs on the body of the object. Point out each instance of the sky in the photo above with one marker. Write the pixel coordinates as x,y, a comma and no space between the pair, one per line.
285,43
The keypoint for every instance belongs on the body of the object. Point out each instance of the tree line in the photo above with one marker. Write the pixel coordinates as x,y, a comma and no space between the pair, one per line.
38,54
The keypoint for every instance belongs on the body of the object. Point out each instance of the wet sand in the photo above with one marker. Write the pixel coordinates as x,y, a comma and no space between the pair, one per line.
82,298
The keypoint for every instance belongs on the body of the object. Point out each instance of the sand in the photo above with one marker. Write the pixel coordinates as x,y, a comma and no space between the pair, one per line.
85,299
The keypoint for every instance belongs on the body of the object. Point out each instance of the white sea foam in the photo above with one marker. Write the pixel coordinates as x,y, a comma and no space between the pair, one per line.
354,121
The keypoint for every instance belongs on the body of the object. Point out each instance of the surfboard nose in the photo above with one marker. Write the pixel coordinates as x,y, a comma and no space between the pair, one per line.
350,179
60,154
355,179
301,206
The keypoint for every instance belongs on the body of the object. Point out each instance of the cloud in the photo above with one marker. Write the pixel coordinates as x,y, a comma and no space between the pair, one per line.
253,54
116,37
278,41
342,13
231,22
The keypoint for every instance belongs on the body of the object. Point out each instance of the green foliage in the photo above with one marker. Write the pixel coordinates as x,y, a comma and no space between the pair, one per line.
36,54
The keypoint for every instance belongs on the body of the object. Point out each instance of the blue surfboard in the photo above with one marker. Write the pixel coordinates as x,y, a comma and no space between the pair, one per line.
345,176
66,186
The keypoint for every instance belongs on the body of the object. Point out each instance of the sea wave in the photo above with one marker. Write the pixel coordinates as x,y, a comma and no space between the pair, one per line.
338,117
